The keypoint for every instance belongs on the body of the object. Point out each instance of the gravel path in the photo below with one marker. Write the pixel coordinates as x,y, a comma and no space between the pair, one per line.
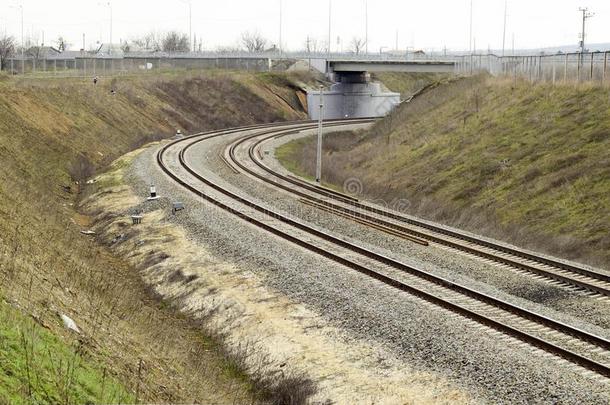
414,331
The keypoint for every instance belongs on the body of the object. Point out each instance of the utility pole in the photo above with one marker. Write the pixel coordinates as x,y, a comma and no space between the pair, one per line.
20,7
585,16
396,42
329,23
190,4
504,31
22,43
319,151
110,44
470,35
110,9
366,27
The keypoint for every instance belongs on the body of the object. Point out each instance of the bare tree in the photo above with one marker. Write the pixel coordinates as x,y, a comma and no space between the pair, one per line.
62,44
35,52
174,41
125,47
7,48
312,45
253,41
149,42
357,45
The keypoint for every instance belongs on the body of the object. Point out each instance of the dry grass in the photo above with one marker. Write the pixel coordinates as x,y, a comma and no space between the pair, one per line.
527,164
282,345
55,132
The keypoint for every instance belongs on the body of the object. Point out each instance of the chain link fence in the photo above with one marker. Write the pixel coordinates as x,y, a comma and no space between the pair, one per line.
112,66
558,68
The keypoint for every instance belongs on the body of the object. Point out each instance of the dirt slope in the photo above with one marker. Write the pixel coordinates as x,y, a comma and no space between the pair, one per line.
56,132
527,164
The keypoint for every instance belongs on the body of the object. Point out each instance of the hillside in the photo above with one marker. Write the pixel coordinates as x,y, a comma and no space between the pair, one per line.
526,164
54,134
406,84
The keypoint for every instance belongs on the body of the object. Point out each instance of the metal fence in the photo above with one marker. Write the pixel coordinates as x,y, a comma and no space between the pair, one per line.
558,68
566,68
109,66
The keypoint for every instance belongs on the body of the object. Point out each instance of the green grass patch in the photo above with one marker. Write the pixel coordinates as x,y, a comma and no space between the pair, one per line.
37,366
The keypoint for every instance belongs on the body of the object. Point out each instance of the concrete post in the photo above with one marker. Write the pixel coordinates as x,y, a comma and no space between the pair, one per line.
565,70
591,75
320,129
605,67
515,61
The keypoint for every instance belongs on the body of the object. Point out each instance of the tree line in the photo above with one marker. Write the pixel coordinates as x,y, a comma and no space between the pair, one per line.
170,42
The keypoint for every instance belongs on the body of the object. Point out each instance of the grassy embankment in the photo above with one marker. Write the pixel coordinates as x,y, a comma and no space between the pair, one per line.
527,164
407,84
132,347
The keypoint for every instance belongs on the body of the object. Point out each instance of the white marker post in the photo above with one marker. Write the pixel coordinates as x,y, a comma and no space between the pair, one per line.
153,193
319,153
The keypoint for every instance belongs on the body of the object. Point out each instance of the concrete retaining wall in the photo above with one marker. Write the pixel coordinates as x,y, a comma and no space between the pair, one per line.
352,100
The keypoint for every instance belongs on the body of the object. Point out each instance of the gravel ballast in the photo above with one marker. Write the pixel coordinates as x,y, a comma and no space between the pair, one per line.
539,295
413,331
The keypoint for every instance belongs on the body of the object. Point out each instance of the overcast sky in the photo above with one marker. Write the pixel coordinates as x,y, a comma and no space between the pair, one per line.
429,24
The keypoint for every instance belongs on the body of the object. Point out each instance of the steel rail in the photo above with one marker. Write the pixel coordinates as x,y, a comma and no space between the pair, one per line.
576,358
467,238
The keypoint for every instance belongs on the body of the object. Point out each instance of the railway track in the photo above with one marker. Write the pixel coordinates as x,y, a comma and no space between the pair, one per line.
567,275
582,349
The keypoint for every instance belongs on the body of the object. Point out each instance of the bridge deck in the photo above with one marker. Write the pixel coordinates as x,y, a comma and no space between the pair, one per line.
391,66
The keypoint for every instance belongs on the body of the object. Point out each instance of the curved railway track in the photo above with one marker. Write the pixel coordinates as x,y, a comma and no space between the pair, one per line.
564,274
577,346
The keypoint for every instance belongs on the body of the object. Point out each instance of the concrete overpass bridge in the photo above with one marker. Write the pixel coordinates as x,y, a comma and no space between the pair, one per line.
353,95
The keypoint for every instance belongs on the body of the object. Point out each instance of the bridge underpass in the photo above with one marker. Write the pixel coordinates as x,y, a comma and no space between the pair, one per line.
353,95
